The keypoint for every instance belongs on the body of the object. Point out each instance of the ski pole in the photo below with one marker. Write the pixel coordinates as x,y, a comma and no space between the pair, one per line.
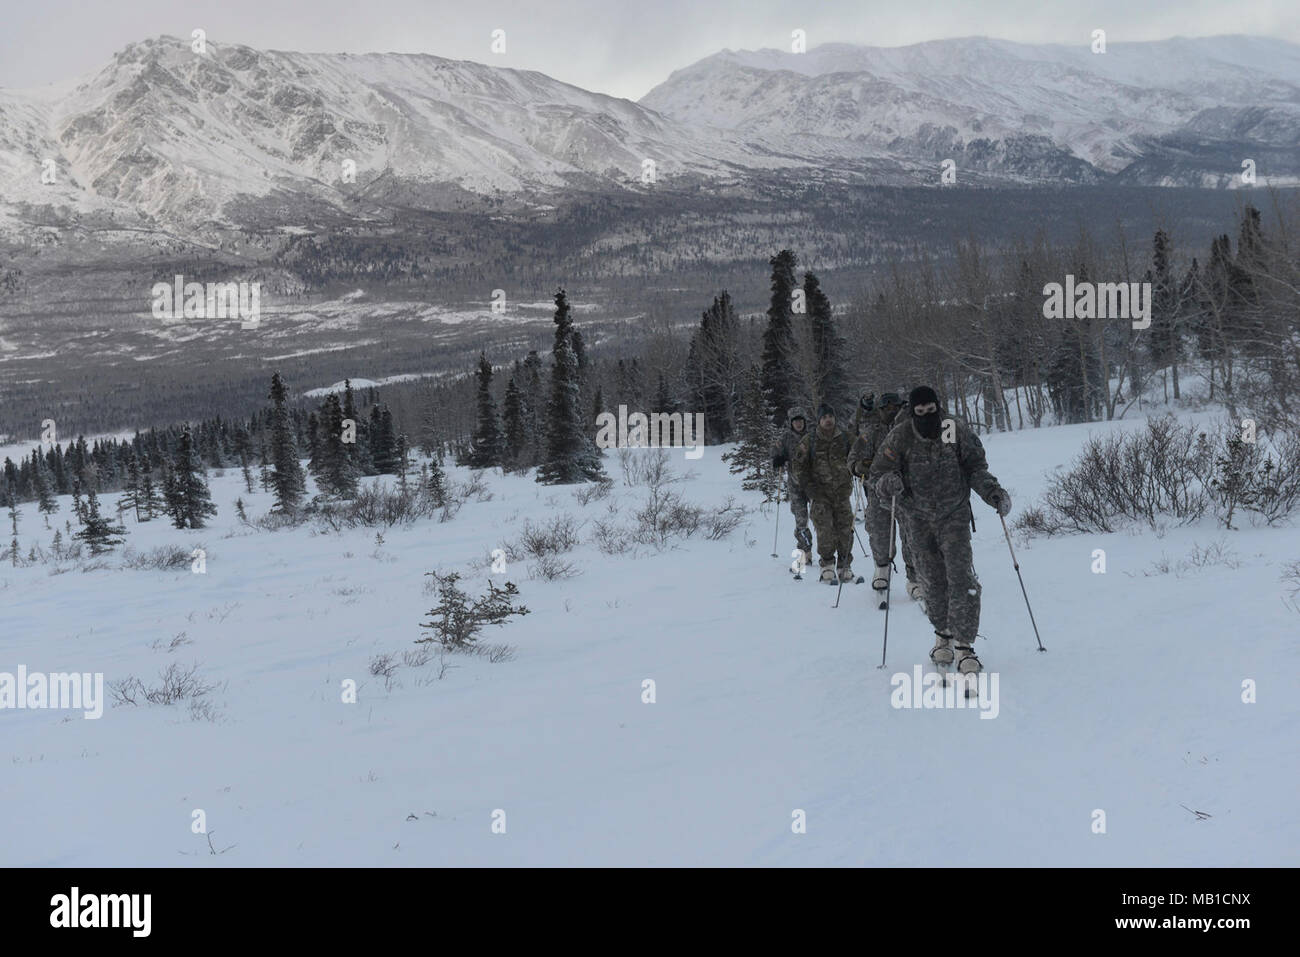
1022,581
889,578
777,530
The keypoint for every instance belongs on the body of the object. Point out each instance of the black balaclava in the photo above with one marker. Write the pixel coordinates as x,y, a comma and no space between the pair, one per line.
926,425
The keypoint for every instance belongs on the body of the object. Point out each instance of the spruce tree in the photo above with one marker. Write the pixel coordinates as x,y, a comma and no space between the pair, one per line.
188,500
831,384
487,450
435,484
781,384
287,481
332,467
98,532
151,498
713,371
752,457
571,454
12,495
535,405
516,428
47,504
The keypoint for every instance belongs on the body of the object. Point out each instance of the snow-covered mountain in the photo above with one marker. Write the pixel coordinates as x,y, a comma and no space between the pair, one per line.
1034,112
173,134
164,135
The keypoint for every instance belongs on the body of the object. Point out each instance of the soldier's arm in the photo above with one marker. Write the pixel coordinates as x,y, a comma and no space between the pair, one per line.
887,457
799,464
982,482
860,456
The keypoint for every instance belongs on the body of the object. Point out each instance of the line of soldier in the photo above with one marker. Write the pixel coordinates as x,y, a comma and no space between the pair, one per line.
924,462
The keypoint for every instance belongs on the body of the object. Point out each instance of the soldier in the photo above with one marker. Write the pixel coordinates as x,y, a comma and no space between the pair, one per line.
878,529
781,455
820,464
933,462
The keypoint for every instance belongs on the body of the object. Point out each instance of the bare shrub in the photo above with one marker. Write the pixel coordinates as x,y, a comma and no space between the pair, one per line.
162,558
1033,521
417,657
650,467
722,522
1217,553
374,506
178,684
664,516
1291,579
611,538
383,666
1141,477
552,568
177,641
593,492
558,535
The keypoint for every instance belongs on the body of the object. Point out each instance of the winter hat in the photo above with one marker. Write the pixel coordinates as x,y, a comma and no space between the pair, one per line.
824,410
921,395
795,413
868,402
890,399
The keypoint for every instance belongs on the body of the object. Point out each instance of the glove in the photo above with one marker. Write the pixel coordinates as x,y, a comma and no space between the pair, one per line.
779,460
890,485
1001,501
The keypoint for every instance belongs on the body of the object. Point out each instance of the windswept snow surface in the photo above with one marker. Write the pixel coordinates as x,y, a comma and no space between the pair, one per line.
768,700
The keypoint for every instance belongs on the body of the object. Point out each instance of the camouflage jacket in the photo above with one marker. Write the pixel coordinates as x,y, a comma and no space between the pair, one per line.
938,476
870,436
821,466
788,443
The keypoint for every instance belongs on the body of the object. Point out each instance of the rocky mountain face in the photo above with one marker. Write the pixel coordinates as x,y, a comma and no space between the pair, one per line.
164,137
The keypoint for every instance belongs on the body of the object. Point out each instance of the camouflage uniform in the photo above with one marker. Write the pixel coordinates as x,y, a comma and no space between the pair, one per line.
820,464
864,452
938,478
782,454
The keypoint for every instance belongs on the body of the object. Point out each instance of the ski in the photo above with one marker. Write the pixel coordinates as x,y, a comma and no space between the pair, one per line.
882,599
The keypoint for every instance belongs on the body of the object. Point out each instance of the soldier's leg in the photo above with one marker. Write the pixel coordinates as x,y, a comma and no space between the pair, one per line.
963,588
799,509
823,522
843,516
878,529
905,546
928,554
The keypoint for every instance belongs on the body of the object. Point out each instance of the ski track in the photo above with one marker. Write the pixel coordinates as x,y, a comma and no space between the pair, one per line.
768,700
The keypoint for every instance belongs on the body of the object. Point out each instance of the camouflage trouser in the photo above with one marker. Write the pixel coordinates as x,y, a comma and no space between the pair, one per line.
943,557
879,537
798,505
833,521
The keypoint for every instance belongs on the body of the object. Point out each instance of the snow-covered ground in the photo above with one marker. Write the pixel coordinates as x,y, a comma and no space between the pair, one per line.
767,700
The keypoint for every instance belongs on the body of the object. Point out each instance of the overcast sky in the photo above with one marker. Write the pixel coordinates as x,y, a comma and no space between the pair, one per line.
622,47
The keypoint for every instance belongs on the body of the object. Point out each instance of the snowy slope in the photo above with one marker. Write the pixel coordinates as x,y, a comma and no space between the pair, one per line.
768,700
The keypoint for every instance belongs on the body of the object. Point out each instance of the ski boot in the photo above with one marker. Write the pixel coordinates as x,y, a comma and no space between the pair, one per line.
941,653
915,591
968,669
967,662
846,575
828,574
880,580
804,539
